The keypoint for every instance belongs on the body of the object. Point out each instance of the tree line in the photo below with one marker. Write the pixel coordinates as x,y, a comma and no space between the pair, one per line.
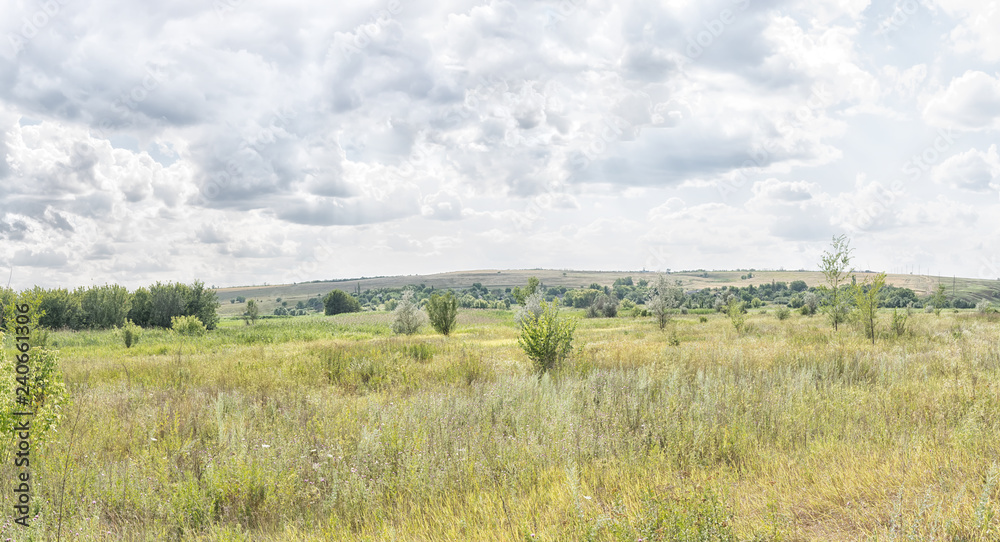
111,305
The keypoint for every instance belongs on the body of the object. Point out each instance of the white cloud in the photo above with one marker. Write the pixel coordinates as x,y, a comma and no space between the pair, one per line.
971,101
973,170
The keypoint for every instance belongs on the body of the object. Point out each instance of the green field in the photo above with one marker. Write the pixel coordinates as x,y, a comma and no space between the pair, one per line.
333,428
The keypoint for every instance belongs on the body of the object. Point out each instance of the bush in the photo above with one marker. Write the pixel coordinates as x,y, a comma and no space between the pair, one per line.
407,318
250,315
737,313
339,301
782,312
546,338
810,304
604,305
531,309
187,325
130,333
443,311
898,324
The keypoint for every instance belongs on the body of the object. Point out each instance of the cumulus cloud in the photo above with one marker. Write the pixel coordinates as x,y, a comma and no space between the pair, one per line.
971,101
973,170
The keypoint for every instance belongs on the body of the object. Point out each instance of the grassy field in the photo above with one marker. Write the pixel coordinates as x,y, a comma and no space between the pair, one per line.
332,428
266,295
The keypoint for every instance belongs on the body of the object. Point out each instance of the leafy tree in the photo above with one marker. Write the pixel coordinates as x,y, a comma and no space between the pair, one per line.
253,311
939,299
202,303
443,311
142,307
604,305
866,298
782,312
835,266
798,286
105,306
736,309
530,309
339,301
546,338
407,318
62,309
666,298
166,301
521,294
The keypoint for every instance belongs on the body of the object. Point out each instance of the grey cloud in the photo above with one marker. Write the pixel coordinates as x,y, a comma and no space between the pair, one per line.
42,258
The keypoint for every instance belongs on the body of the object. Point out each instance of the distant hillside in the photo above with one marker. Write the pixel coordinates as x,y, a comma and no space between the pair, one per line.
267,296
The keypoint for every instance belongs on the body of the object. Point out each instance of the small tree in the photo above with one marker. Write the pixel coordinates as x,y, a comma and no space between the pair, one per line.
939,300
782,312
443,311
546,338
665,299
835,266
407,318
736,310
866,298
339,301
522,294
250,315
531,308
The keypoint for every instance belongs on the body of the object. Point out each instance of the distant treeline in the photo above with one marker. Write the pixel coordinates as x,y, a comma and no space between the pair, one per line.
638,292
110,305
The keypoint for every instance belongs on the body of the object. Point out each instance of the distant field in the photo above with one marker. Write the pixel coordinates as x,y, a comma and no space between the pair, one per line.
292,293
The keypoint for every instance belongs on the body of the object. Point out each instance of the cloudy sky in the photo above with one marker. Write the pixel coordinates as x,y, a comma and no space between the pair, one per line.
242,142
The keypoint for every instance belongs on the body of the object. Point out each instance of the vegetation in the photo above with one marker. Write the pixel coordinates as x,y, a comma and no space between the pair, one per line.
339,302
546,339
187,325
866,299
252,312
835,264
130,333
407,318
443,312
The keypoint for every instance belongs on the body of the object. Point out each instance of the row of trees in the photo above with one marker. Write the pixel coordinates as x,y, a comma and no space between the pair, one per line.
112,305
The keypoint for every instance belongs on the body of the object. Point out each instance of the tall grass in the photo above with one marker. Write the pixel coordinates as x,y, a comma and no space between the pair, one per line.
320,429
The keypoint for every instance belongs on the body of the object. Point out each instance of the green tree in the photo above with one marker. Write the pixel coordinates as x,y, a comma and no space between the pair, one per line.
339,301
202,303
105,306
520,294
866,299
62,309
130,333
546,338
251,313
443,311
665,299
166,301
798,286
939,299
142,307
835,267
736,309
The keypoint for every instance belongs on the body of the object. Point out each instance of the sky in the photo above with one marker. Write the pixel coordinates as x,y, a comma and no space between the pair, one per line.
241,142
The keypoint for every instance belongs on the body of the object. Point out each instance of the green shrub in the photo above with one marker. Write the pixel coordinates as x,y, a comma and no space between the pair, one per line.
546,338
443,311
130,333
782,312
187,325
407,318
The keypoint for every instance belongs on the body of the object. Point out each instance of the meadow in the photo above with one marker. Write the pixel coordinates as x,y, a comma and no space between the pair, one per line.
333,428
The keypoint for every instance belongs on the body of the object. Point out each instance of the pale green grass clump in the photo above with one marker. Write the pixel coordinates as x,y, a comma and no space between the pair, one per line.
334,429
